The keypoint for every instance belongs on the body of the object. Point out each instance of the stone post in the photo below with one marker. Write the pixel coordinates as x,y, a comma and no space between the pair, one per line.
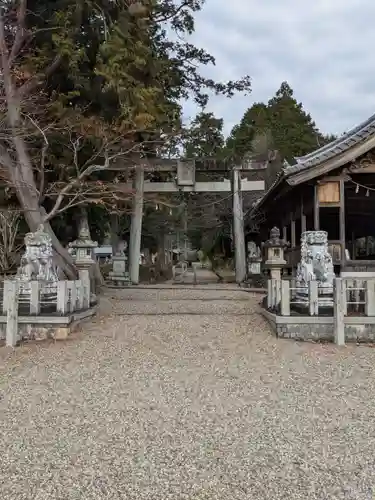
339,306
370,297
269,293
11,336
79,295
62,297
285,298
313,298
73,296
6,295
35,290
85,279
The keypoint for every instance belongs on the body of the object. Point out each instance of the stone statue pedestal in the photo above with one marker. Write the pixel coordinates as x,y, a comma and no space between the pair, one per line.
315,264
119,274
254,259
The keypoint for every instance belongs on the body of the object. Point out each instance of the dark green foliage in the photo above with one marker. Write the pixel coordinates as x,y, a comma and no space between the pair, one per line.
205,137
291,130
104,77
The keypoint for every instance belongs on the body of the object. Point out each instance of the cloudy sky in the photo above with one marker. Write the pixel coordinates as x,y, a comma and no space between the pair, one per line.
325,49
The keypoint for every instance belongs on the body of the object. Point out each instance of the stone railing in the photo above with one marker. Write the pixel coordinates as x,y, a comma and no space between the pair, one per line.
54,304
350,316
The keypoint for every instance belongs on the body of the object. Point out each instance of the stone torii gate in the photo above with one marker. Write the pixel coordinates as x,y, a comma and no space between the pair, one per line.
185,182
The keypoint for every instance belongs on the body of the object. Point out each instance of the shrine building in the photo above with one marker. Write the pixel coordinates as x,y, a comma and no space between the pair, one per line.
330,189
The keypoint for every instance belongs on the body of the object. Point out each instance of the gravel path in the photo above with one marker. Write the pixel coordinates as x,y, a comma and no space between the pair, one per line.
184,394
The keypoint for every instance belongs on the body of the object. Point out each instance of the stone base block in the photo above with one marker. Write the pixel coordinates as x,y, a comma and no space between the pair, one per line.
359,329
47,327
119,279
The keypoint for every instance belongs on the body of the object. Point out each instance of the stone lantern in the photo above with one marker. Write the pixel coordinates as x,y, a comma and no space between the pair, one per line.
275,248
82,251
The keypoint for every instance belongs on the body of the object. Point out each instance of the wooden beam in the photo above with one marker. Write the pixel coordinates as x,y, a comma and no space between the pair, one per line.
303,217
293,233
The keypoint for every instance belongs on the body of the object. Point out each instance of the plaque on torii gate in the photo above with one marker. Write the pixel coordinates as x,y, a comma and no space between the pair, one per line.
186,172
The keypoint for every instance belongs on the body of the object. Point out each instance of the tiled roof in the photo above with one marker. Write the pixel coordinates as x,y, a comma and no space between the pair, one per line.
355,136
352,138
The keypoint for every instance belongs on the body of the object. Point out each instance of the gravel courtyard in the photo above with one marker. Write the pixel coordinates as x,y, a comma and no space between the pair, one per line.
185,394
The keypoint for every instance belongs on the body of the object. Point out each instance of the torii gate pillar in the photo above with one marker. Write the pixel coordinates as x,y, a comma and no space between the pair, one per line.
136,226
238,228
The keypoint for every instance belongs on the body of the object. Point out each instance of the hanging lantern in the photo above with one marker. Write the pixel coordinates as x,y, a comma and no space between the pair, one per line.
357,189
367,193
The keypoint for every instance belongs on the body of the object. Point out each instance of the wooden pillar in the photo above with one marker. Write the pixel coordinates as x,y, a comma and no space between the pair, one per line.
303,218
342,220
292,231
353,256
316,209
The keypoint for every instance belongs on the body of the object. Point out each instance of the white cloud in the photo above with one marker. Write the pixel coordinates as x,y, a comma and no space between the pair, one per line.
324,49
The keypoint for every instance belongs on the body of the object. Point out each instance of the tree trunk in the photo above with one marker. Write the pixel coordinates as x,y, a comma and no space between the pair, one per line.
20,173
22,180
